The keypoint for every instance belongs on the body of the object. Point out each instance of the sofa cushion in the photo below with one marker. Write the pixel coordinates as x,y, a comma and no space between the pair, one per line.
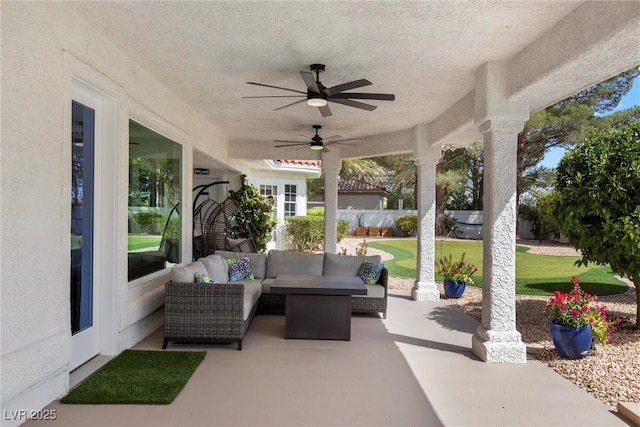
287,262
240,269
258,261
186,273
345,265
373,291
251,285
370,272
216,267
266,285
250,298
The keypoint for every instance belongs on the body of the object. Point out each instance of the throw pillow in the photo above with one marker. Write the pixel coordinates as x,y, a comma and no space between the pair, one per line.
202,279
239,269
370,272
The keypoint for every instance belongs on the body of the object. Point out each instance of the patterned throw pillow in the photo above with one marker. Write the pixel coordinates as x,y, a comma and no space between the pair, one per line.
370,272
202,279
239,269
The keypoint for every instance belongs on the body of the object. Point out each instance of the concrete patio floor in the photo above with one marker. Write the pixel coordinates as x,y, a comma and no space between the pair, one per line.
414,368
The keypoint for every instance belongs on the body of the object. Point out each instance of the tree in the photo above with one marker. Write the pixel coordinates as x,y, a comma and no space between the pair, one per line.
564,124
257,212
361,169
597,203
619,119
399,179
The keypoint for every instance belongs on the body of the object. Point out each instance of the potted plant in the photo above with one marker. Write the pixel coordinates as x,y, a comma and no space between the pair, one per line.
576,323
361,230
456,273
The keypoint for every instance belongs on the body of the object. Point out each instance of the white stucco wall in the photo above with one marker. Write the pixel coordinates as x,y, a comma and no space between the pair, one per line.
38,62
360,201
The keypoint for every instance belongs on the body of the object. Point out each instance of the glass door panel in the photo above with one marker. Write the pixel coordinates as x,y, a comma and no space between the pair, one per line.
82,159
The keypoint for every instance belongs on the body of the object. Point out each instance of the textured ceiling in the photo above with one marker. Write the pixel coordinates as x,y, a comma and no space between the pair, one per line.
426,53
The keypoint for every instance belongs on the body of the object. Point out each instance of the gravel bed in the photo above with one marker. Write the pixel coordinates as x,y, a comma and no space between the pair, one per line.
610,373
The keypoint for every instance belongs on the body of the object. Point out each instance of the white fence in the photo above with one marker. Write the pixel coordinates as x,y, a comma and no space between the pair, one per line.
469,222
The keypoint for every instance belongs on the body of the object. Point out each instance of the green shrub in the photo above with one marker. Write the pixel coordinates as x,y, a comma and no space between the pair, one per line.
306,233
407,223
343,228
173,228
149,221
315,212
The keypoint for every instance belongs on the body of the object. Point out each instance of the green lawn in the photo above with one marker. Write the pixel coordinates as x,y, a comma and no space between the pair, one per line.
143,242
535,274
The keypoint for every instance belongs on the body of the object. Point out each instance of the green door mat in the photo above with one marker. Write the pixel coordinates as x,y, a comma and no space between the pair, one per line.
138,377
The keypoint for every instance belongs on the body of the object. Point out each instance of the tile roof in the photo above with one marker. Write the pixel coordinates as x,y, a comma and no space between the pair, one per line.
358,186
311,163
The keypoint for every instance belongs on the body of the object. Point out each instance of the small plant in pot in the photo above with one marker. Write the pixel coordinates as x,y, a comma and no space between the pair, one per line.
457,273
576,323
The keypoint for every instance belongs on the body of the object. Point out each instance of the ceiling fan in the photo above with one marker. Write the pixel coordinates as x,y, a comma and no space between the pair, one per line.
317,142
318,95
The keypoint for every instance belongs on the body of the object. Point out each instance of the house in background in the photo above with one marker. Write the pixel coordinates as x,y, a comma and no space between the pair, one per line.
355,194
286,181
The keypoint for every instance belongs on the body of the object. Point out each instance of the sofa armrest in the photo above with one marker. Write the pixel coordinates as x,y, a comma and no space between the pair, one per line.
384,279
193,310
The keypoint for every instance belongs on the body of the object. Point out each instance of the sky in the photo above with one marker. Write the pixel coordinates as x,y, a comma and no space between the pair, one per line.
553,156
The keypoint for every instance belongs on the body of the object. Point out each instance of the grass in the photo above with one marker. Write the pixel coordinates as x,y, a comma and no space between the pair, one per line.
138,377
143,242
535,274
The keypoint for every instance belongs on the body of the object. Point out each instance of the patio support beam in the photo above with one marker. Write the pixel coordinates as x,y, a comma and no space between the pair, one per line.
426,157
331,164
499,119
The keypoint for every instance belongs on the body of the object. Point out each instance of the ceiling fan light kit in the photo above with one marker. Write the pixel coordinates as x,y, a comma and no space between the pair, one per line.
316,101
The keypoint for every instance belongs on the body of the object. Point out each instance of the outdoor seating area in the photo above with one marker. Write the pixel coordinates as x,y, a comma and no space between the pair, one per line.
414,368
215,298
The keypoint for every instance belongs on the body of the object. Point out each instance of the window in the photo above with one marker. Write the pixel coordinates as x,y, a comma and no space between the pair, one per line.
155,191
289,200
271,191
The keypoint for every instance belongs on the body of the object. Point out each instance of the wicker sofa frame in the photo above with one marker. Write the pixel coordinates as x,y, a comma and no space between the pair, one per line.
195,313
359,304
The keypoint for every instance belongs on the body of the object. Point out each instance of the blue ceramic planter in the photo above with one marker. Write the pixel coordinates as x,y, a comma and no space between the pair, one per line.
570,342
453,289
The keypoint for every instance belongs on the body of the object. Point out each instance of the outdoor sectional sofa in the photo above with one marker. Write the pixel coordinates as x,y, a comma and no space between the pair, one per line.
223,310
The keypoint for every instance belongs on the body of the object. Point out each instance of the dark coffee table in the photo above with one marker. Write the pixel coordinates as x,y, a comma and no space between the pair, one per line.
318,307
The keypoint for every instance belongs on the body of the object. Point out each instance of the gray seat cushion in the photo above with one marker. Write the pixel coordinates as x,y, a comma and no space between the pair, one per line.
373,291
266,285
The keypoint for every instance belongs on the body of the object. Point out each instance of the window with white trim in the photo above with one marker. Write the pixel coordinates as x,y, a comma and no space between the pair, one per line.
289,200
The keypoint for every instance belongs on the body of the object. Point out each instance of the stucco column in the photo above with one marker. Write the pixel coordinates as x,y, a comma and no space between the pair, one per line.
331,163
499,119
425,288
